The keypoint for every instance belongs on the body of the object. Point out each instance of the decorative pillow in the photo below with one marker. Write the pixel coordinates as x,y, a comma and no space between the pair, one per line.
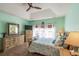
53,41
65,46
59,43
34,38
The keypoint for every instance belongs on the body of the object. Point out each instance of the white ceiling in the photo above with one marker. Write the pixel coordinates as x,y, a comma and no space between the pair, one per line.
48,10
46,13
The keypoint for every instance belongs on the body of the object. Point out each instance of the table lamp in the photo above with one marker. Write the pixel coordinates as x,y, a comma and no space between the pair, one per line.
73,39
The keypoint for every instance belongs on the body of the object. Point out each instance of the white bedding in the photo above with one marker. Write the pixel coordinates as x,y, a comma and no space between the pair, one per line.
44,46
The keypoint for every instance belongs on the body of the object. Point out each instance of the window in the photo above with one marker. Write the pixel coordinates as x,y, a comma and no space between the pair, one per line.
47,31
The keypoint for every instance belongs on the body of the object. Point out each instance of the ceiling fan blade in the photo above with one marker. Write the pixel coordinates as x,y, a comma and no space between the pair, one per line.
30,4
37,7
28,9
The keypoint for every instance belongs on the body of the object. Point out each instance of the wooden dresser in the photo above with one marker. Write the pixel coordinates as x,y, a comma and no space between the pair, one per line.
12,41
28,36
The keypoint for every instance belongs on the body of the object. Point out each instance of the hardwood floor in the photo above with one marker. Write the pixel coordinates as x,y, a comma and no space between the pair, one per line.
18,51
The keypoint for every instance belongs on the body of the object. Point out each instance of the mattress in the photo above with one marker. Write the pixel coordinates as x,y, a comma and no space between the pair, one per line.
45,47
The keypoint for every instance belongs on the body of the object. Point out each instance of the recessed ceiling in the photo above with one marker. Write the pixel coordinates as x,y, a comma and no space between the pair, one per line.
46,13
19,9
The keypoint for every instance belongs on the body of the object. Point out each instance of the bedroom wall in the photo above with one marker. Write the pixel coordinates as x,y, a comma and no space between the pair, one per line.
72,18
6,18
58,22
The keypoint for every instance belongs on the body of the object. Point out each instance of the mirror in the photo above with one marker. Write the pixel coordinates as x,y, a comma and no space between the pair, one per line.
13,28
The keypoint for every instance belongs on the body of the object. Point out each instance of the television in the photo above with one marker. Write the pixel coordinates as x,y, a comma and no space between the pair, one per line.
28,27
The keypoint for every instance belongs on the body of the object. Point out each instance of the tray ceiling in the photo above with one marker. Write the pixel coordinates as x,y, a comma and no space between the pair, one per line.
19,10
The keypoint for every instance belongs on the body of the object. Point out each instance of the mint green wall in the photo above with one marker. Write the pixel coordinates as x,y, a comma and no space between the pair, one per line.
6,18
2,26
72,18
58,22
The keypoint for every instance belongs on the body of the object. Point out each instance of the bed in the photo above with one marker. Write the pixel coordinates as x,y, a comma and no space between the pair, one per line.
44,46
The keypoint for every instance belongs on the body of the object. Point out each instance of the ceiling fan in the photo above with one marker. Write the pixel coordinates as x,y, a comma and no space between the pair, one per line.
31,6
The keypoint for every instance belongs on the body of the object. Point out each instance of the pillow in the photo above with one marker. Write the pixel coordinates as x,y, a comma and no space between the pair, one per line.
65,46
53,41
59,43
34,38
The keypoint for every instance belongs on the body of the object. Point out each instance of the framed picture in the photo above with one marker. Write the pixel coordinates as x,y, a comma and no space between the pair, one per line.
13,28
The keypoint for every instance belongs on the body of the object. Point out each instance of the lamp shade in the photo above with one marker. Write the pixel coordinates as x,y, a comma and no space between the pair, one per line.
73,39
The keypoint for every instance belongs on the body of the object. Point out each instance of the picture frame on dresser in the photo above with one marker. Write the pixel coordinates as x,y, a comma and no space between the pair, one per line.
13,29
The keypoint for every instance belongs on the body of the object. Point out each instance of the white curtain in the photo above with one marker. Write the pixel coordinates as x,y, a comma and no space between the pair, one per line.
48,33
